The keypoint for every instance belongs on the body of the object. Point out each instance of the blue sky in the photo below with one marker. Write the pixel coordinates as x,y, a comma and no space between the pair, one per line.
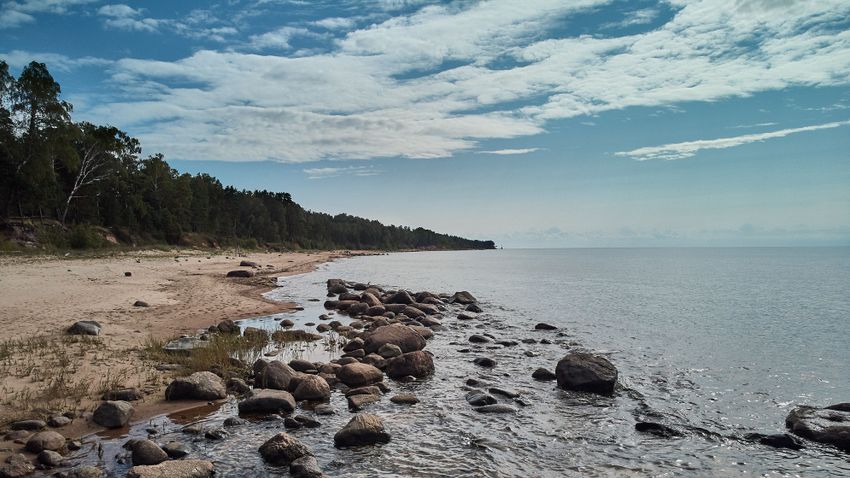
533,123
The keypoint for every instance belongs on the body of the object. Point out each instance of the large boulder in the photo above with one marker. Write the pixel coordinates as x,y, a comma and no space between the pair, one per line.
405,337
85,327
113,414
312,387
268,401
174,469
198,386
48,440
146,452
417,364
283,449
463,297
830,425
400,297
228,326
274,374
586,373
359,374
362,429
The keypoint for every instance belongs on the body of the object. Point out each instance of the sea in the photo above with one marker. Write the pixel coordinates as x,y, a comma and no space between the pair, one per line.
715,343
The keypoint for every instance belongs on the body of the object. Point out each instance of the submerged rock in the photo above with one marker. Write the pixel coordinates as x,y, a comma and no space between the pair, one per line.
362,429
544,326
495,408
305,467
657,429
477,398
404,398
174,469
830,425
543,375
586,373
778,440
484,362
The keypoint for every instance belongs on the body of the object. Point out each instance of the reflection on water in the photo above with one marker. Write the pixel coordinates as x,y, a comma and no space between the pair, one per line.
708,342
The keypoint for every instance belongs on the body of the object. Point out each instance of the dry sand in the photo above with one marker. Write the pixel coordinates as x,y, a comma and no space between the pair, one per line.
187,290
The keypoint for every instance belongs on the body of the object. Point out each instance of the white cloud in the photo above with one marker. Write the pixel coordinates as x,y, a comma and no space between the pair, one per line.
119,11
507,152
324,173
17,13
335,23
385,90
690,148
18,59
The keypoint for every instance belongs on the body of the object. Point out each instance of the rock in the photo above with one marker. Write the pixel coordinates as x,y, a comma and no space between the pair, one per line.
423,332
31,425
389,351
466,316
507,343
123,394
779,440
484,362
234,422
85,327
544,326
358,374
312,387
297,335
216,434
657,429
241,273
543,375
495,408
830,425
376,311
586,373
283,449
356,402
370,300
58,421
175,449
477,398
228,326
184,345
140,303
174,469
504,392
362,429
463,297
198,386
85,472
128,274
418,364
49,458
238,386
301,365
268,401
405,399
307,421
305,467
404,337
358,354
146,452
353,344
473,308
358,308
412,312
479,339
113,414
400,297
248,264
276,375
16,466
48,440
18,436
324,409
292,424
345,361
337,289
374,360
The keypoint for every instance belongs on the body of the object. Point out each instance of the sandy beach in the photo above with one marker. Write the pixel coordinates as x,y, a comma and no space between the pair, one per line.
186,291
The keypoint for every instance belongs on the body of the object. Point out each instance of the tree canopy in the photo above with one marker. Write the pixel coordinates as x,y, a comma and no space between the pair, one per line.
87,174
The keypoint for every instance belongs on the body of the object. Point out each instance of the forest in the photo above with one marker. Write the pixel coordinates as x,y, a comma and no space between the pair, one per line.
86,178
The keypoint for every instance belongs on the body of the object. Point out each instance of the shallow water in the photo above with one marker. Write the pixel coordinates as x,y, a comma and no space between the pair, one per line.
714,342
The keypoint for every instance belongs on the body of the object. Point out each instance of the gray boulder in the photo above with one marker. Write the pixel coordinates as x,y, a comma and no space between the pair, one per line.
85,327
586,373
198,386
417,364
283,449
146,452
48,440
362,429
830,425
312,387
359,374
268,401
276,375
113,414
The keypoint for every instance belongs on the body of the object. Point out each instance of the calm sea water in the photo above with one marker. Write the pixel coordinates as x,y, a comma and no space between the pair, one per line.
714,342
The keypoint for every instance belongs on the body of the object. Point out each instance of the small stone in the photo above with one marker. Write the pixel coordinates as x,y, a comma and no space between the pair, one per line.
113,414
484,362
404,398
175,449
49,458
362,429
543,375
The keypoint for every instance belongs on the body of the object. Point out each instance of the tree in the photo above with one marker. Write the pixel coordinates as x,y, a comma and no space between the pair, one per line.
98,149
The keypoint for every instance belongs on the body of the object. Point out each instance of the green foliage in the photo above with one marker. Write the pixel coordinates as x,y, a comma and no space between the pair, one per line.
88,176
83,236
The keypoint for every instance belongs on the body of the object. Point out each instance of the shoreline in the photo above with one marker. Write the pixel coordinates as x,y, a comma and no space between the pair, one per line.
186,291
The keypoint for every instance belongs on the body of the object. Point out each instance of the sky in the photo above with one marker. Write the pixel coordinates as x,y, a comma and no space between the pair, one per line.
534,123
